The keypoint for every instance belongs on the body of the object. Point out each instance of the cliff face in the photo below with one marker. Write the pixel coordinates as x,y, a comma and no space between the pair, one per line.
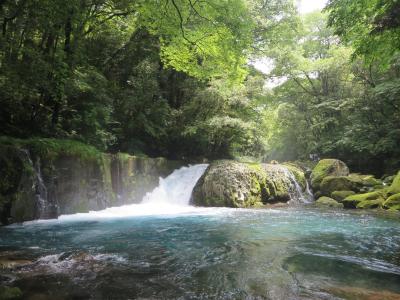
43,179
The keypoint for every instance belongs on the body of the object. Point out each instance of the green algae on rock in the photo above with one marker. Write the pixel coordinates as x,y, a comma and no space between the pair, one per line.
235,184
393,202
395,186
327,167
354,200
328,202
331,184
341,195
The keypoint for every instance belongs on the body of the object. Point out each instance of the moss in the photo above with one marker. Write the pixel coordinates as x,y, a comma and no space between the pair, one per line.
10,293
328,202
392,202
395,187
298,174
326,167
340,195
369,204
365,180
52,148
338,183
353,200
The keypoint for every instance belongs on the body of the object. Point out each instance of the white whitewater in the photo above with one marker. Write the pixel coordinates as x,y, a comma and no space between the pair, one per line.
171,197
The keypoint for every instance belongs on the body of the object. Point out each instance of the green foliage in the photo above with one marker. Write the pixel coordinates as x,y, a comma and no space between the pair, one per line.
372,27
51,148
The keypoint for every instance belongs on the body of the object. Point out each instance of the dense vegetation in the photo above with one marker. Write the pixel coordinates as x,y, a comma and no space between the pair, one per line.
173,77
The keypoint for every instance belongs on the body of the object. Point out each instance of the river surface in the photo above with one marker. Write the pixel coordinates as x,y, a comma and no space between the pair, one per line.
182,252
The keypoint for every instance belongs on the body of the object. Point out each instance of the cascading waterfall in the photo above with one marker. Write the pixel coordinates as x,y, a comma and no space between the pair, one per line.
297,195
171,197
177,188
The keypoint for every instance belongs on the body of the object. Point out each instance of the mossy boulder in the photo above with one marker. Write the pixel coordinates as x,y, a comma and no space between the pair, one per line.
365,180
370,204
328,202
393,202
235,184
354,200
229,184
341,195
327,167
395,186
338,183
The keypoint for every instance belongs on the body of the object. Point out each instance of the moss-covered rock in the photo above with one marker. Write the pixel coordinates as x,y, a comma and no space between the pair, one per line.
338,183
353,200
395,186
341,195
327,167
235,184
393,202
370,204
229,183
328,202
44,178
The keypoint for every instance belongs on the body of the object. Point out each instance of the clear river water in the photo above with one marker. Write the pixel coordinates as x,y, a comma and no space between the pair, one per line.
165,249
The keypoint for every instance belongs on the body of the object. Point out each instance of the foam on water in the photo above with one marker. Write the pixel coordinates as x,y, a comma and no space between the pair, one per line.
171,197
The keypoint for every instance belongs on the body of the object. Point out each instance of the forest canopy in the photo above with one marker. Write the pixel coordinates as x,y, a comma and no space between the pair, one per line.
176,78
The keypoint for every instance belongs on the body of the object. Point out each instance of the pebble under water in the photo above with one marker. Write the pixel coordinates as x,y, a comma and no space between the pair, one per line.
217,253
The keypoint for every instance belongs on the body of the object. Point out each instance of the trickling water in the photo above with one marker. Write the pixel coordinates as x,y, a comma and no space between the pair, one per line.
297,195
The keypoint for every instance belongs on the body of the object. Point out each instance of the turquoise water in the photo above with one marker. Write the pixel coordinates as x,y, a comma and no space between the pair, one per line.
297,253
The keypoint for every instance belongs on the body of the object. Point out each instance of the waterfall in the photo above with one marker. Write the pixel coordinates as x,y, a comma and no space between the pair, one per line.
296,193
177,188
171,197
44,208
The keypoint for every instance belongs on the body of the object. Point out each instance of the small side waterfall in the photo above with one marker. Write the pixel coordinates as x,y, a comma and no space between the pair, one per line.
44,208
297,195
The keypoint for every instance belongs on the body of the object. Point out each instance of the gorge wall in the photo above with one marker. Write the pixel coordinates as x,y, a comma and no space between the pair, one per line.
45,178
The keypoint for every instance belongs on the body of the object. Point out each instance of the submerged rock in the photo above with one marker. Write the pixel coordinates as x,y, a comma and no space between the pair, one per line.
233,184
328,202
327,167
